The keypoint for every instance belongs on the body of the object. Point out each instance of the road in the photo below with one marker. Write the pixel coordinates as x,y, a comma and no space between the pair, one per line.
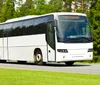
76,68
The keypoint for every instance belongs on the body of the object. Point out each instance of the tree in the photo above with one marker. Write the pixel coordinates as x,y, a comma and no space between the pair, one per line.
1,4
83,5
40,7
7,10
94,18
25,8
67,5
33,7
55,5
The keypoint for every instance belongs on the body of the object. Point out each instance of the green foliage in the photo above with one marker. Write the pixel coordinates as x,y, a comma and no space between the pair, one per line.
1,5
40,7
55,5
7,10
94,18
96,59
23,9
66,6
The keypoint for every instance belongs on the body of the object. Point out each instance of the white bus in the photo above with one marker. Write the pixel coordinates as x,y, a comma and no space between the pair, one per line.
55,37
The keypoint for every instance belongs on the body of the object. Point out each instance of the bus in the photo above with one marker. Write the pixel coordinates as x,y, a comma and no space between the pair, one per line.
55,37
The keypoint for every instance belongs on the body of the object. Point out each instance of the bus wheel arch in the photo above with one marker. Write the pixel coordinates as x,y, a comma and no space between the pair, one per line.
38,57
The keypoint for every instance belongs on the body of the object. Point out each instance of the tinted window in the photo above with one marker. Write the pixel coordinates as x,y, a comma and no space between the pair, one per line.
16,29
7,29
40,20
27,23
51,35
17,24
27,27
50,18
40,25
1,30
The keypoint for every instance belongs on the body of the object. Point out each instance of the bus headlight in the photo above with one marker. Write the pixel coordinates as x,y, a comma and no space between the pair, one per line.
90,50
62,50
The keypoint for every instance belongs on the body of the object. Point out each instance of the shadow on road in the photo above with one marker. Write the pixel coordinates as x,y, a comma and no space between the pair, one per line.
63,65
48,64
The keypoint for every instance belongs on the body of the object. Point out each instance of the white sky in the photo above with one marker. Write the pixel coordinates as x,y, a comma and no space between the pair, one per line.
17,1
23,3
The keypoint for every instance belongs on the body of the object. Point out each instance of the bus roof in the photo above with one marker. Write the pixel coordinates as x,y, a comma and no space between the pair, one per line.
21,18
34,16
67,13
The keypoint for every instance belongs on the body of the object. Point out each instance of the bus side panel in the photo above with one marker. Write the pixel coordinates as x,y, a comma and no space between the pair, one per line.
1,48
22,47
5,48
51,54
25,53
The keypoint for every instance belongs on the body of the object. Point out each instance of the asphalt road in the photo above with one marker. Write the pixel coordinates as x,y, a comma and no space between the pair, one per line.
76,68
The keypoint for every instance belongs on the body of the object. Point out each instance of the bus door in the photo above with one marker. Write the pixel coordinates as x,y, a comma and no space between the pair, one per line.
51,42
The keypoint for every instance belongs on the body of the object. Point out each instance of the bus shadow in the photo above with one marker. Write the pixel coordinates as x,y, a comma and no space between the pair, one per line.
47,64
63,65
20,63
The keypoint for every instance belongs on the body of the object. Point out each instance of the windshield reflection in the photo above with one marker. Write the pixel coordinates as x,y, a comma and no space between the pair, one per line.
73,29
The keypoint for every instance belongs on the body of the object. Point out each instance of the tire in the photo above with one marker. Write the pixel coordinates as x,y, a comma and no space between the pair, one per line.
69,63
38,58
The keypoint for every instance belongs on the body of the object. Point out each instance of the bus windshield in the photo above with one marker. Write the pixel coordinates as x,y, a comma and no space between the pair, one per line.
73,29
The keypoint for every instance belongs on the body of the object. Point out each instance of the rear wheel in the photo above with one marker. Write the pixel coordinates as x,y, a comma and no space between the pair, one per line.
38,57
69,63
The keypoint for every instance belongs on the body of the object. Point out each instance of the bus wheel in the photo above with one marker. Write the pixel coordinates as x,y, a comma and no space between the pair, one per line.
38,58
69,63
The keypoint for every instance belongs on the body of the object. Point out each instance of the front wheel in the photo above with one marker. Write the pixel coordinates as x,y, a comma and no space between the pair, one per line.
69,63
38,58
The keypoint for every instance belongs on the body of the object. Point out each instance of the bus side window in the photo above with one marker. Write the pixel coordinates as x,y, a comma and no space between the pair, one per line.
16,29
51,35
7,29
1,31
27,27
40,25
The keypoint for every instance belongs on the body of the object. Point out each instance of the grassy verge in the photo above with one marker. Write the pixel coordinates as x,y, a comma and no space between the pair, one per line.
26,77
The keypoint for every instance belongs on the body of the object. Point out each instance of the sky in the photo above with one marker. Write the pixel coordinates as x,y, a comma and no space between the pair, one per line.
17,1
23,1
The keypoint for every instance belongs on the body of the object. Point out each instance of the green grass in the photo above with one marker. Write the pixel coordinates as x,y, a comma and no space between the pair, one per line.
28,77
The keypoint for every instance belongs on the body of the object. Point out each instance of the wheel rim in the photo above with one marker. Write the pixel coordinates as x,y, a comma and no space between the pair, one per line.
38,57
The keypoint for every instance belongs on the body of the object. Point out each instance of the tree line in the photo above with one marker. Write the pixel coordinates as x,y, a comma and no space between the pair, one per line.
12,9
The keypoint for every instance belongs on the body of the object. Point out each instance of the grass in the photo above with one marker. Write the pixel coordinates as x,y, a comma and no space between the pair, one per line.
28,77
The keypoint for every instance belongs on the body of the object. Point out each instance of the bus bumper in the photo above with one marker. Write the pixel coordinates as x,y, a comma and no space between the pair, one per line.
63,57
